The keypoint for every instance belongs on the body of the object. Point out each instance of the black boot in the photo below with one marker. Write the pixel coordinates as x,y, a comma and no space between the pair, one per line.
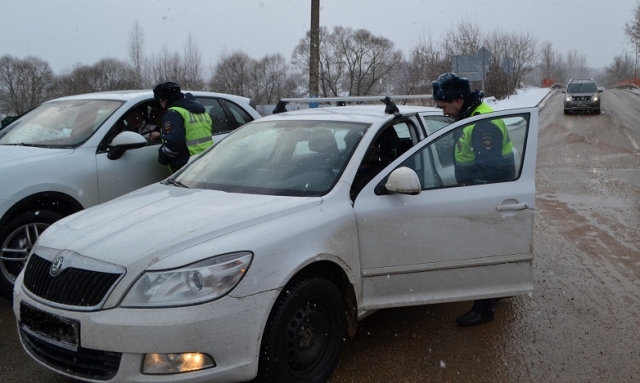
481,312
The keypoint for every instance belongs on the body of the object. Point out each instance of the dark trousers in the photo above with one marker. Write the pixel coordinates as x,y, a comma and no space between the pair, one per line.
484,306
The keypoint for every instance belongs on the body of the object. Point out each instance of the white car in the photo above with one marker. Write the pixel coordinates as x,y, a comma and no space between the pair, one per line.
68,154
260,256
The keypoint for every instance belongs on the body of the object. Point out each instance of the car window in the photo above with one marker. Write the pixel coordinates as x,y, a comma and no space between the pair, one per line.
476,153
220,120
293,158
242,117
60,123
435,123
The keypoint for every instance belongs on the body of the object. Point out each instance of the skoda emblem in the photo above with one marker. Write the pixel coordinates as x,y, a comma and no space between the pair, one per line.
56,265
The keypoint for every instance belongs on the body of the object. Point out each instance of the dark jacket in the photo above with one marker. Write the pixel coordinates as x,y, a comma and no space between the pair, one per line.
174,151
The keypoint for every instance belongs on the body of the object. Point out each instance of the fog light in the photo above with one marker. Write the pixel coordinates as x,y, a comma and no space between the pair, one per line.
175,363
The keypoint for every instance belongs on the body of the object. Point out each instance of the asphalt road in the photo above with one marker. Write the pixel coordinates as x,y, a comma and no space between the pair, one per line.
582,322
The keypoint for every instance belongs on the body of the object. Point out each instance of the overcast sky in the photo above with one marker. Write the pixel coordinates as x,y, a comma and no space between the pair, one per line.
67,32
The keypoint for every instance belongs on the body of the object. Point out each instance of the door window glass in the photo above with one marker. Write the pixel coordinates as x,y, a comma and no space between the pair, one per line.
486,151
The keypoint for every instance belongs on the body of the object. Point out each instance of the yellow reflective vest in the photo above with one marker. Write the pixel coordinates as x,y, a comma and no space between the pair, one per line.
197,127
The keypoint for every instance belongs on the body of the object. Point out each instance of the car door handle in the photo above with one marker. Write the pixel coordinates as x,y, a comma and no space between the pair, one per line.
517,206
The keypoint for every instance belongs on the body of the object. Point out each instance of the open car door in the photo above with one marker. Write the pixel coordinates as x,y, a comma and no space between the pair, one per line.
450,242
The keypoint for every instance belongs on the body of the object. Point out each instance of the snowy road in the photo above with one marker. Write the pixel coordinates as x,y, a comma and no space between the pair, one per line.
582,322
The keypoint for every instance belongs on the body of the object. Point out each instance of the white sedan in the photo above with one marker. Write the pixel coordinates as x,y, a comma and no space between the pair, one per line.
259,257
75,152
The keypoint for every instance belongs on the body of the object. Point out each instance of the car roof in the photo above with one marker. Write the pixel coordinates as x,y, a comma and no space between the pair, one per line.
356,113
126,95
366,113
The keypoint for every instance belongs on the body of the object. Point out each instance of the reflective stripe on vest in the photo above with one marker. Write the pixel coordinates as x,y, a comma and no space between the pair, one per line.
197,127
464,153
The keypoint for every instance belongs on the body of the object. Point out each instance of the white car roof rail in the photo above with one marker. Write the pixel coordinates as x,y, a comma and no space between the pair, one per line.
391,107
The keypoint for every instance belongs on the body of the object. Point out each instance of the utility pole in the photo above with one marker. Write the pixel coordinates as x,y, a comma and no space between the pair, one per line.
314,51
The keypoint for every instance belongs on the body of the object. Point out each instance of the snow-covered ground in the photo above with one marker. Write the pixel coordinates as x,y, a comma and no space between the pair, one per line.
523,98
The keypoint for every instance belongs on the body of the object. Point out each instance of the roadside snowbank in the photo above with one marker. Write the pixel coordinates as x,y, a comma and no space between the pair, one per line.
524,98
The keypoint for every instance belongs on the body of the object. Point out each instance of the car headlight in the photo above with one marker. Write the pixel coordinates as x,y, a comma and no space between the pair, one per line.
595,97
568,98
193,284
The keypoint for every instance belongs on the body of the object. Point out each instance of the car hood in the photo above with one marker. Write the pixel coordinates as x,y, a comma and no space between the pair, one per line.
11,155
148,225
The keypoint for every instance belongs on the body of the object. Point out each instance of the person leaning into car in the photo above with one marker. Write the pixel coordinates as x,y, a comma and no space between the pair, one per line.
136,122
186,126
483,154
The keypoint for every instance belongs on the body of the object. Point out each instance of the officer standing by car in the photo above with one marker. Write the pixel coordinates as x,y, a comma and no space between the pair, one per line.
186,127
483,154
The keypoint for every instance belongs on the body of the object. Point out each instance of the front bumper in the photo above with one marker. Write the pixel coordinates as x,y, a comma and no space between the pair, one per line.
581,105
229,330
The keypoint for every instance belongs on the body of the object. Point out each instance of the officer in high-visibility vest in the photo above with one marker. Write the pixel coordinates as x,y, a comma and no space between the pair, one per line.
483,154
185,127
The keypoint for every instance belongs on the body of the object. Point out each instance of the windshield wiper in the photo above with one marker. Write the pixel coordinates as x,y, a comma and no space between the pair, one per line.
34,145
177,183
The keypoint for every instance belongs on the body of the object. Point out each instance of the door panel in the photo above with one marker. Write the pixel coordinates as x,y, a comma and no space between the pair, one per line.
448,226
135,169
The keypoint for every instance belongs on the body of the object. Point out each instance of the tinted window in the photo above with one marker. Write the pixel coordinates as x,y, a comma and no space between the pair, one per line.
220,120
586,87
242,117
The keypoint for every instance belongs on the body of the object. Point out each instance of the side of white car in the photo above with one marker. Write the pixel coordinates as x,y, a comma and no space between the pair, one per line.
62,157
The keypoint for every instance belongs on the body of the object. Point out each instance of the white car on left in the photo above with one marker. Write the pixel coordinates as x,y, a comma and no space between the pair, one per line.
75,152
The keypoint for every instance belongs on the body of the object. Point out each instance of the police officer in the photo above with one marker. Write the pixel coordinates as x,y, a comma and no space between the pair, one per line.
186,127
483,154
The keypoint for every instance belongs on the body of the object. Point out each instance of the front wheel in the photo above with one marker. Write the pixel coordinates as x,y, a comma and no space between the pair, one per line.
304,333
17,238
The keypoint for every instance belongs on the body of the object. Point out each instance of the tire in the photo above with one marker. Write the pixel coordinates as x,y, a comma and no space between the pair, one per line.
566,111
304,333
598,111
17,238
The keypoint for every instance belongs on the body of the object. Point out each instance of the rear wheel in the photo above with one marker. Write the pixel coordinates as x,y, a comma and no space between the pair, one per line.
304,333
17,238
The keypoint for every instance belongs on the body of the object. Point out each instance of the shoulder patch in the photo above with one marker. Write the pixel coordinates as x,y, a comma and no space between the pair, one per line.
166,127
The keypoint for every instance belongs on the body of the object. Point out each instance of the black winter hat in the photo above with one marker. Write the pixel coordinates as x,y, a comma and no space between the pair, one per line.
167,91
450,86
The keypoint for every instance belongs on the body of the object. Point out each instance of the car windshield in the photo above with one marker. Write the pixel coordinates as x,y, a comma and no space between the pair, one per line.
59,124
587,87
289,158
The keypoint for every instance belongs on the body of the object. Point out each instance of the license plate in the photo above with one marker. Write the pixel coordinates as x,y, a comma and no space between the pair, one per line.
60,331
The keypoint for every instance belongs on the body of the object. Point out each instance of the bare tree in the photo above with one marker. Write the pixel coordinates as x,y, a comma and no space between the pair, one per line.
107,74
426,62
464,38
352,62
192,67
521,47
232,74
576,65
136,53
620,70
547,60
24,84
272,81
632,30
165,66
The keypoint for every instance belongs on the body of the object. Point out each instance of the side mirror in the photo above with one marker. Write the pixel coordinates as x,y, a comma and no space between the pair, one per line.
599,90
563,91
124,141
403,180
